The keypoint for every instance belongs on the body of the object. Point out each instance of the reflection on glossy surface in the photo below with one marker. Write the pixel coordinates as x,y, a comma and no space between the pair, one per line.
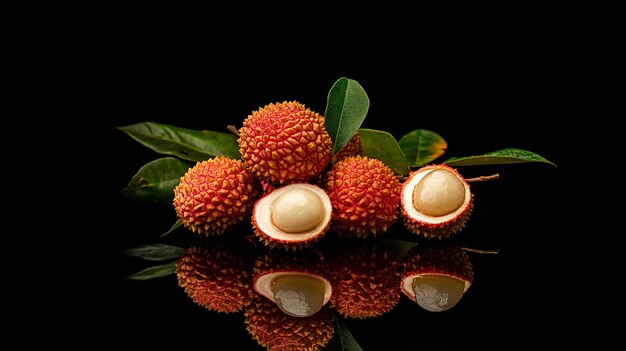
215,275
290,311
436,276
365,279
436,293
275,330
298,296
296,282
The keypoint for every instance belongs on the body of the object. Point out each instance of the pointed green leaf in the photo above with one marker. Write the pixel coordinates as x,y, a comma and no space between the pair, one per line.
342,339
422,146
188,144
173,228
155,252
346,108
383,146
399,247
154,272
154,183
503,156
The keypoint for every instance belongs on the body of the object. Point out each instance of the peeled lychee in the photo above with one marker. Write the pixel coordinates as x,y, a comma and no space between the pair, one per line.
436,201
292,216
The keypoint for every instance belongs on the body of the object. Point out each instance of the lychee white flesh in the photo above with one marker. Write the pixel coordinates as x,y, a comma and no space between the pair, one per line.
439,193
298,296
436,293
297,211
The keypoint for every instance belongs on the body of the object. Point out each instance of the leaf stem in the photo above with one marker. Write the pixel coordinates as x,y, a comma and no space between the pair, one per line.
480,251
231,128
483,178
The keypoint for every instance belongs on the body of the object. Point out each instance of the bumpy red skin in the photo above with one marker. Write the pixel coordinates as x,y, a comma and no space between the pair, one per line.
285,142
267,187
215,277
439,230
440,259
214,195
276,331
365,194
365,279
352,148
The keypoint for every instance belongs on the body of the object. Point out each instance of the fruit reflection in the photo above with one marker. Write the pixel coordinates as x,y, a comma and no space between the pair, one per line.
295,281
277,331
365,279
215,275
436,276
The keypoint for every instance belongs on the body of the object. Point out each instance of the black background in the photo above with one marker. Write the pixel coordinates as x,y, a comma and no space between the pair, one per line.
477,101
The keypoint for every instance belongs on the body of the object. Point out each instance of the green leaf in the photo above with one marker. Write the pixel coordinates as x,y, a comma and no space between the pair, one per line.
173,228
346,108
422,146
154,183
342,339
503,156
383,146
399,247
155,252
188,144
154,272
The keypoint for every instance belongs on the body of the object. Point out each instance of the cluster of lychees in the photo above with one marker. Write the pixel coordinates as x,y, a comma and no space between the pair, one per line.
292,189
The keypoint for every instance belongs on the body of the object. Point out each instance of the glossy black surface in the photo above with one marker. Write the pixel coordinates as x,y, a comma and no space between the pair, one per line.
475,108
